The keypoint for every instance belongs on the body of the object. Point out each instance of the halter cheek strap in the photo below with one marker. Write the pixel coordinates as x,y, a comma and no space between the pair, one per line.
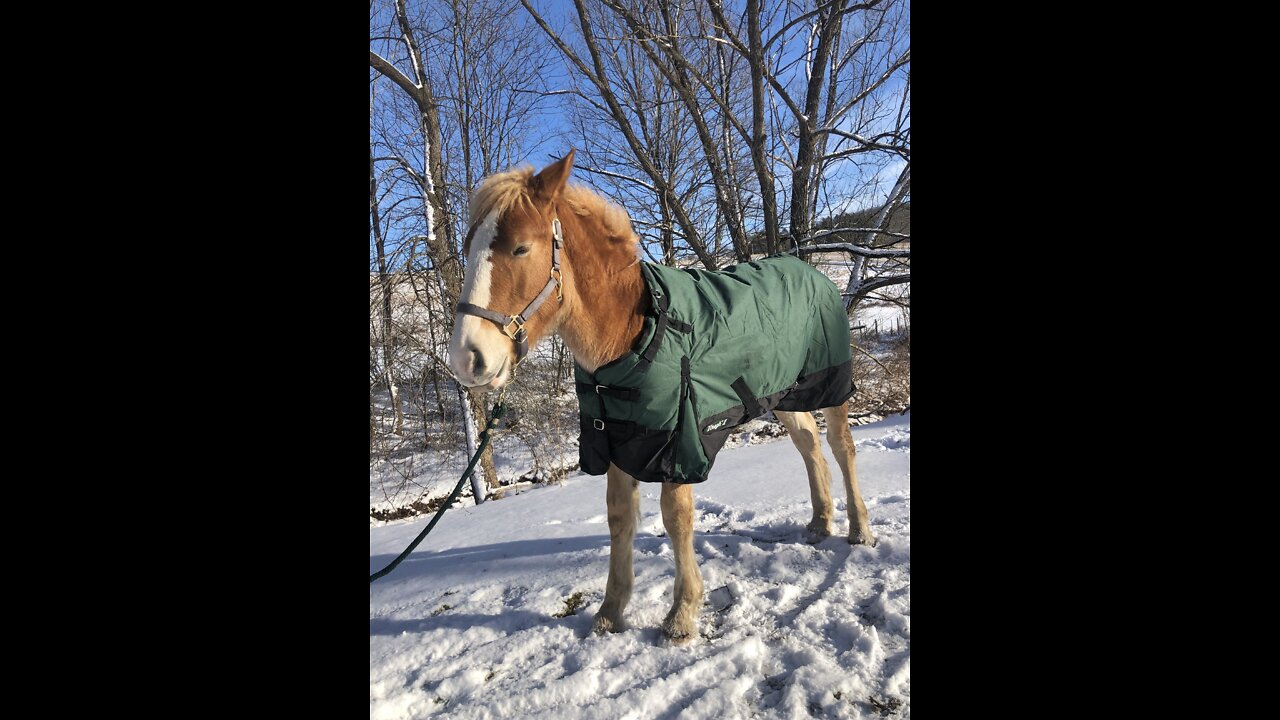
513,325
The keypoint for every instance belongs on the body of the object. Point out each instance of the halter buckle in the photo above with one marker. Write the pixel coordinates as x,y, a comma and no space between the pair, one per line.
555,275
518,322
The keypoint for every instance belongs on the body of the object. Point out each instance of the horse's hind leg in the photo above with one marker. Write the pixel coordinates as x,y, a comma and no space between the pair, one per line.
623,499
677,515
804,435
841,441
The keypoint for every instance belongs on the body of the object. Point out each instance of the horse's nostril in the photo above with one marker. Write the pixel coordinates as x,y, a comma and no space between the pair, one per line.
477,361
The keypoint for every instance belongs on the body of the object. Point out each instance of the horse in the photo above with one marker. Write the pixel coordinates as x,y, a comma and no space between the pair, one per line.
545,257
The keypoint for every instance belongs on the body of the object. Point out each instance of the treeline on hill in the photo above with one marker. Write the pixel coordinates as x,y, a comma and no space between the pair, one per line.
899,221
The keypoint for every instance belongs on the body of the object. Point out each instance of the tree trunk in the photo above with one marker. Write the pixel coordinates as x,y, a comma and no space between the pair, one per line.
756,60
486,476
384,282
469,425
892,202
801,211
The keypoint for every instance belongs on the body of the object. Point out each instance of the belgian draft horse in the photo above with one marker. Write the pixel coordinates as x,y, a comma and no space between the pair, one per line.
588,287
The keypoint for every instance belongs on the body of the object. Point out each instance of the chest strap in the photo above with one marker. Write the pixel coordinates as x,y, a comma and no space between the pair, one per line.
660,330
628,394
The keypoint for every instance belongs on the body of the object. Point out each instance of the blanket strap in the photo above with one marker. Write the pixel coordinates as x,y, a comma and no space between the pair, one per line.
629,394
748,398
659,332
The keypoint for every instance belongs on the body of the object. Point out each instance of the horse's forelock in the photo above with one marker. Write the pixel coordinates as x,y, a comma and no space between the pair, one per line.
503,191
499,192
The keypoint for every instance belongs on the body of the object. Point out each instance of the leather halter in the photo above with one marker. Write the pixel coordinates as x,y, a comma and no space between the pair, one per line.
517,321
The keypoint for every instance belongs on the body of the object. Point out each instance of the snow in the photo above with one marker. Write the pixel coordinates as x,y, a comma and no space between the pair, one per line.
468,624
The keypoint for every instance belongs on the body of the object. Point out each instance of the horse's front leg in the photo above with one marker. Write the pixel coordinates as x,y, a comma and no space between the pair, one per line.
677,515
623,499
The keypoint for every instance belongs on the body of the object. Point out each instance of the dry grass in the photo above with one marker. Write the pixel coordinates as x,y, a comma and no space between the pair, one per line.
882,375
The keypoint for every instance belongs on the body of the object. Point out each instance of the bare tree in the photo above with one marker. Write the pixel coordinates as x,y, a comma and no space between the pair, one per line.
417,87
662,126
603,76
780,83
466,80
384,284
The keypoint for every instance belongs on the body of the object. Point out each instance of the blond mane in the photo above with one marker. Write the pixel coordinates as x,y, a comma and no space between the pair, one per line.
585,202
502,191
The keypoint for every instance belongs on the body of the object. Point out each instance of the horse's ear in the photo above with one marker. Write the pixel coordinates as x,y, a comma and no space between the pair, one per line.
548,183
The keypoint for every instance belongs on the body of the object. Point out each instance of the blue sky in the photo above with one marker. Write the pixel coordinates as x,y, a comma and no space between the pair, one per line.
559,12
552,136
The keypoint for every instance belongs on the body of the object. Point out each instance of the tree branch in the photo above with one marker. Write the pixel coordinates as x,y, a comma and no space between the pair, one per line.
815,11
393,73
835,231
568,51
852,250
902,60
411,42
873,359
869,143
628,178
854,289
877,283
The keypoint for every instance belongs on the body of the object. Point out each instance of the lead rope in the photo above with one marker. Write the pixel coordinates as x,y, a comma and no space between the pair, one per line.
499,409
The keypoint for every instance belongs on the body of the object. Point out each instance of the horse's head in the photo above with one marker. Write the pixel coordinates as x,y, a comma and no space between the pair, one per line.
511,297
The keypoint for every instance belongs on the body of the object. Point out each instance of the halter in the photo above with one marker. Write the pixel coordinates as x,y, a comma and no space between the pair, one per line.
507,322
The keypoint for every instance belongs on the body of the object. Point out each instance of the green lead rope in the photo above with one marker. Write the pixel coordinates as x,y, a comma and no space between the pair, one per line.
499,410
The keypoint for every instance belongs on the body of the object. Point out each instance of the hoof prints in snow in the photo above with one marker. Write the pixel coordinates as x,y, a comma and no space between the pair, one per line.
900,440
787,629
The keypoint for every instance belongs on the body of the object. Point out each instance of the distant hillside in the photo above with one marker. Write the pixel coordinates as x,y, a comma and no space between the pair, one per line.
899,221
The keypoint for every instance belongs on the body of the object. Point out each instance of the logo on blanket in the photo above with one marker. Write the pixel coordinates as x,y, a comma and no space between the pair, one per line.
716,425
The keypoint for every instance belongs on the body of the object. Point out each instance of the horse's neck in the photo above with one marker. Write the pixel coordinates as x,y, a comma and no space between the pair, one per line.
606,313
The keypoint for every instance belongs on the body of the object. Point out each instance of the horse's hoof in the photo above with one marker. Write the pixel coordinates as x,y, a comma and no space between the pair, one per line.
817,532
602,625
865,538
678,640
680,631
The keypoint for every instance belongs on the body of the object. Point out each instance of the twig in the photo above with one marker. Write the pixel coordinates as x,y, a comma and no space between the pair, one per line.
873,359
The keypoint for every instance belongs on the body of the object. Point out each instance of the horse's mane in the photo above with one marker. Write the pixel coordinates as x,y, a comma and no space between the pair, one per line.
500,192
503,191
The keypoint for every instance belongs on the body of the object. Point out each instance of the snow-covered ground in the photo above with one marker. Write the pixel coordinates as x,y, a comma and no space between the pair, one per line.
467,626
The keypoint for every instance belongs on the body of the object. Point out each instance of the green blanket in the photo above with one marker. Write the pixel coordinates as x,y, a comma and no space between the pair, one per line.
717,349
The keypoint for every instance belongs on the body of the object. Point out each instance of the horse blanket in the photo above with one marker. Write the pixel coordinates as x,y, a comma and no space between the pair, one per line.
717,349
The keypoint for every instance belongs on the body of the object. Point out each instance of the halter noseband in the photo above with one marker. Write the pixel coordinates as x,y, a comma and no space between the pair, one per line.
507,322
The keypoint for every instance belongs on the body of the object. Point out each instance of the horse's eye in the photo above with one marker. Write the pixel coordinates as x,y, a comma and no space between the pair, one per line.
522,250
